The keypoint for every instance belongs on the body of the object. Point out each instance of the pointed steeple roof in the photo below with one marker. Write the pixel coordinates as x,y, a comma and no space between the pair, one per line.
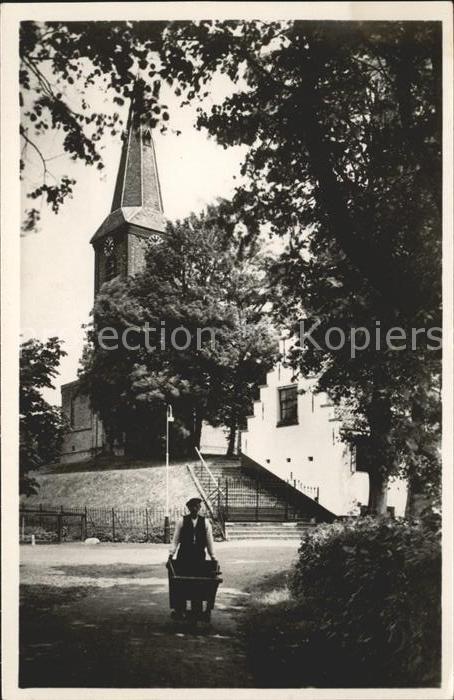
137,197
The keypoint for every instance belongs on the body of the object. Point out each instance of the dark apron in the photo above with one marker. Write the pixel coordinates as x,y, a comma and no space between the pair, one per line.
191,551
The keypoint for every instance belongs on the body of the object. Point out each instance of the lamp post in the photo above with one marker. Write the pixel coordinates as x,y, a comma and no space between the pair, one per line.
169,419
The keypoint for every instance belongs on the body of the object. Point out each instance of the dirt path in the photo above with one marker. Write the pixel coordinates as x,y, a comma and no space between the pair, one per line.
99,617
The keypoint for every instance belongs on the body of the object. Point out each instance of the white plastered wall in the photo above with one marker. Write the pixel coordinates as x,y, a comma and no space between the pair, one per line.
310,452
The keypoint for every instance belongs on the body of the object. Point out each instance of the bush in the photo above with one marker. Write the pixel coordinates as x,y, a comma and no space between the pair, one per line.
41,534
371,591
138,535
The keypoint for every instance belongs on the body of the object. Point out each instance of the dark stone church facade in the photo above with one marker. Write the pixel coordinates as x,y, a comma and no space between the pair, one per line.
136,219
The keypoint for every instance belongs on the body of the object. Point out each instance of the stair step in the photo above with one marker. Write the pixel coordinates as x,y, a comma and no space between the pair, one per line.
268,526
266,530
265,523
266,533
265,537
245,530
261,531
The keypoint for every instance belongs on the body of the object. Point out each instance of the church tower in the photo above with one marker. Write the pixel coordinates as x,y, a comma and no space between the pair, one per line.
137,215
136,219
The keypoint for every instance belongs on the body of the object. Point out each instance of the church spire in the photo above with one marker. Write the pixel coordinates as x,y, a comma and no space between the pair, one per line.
137,180
137,196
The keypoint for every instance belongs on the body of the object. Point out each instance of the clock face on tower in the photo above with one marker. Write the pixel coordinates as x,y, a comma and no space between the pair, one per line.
109,245
110,265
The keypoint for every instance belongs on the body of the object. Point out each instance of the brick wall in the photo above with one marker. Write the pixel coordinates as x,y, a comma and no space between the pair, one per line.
137,246
86,431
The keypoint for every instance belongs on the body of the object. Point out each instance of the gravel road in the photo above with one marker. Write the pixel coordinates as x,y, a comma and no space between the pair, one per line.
98,616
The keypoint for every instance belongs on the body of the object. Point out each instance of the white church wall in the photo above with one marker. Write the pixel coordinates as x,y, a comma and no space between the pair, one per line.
309,452
213,441
397,496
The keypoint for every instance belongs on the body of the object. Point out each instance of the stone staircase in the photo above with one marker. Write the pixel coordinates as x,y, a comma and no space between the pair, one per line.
222,469
275,519
225,467
265,530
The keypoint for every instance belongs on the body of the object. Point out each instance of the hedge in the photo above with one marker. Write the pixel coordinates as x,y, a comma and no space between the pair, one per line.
369,592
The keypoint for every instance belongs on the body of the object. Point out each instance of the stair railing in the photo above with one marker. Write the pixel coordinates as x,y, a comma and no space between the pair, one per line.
214,491
204,464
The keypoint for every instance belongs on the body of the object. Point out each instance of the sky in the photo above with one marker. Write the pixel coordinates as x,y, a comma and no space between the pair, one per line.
57,263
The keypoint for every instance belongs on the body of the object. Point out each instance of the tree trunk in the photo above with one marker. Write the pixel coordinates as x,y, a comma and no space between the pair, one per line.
410,506
231,441
373,261
416,498
109,441
378,493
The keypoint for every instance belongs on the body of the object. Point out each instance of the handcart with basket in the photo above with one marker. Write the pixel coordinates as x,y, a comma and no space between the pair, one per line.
198,590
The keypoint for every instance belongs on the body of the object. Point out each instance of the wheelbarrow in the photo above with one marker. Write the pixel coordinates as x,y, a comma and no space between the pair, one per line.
200,590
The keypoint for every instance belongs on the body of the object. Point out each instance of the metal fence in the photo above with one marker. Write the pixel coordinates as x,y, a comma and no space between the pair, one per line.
254,500
60,524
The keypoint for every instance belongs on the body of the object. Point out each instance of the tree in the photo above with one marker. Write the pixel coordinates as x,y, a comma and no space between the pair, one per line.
41,425
60,62
343,125
314,98
248,351
344,128
389,398
211,346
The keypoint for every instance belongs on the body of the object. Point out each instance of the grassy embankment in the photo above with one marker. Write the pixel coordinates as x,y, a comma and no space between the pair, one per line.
120,485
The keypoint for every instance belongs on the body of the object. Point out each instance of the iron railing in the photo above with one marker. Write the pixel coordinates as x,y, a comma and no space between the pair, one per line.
246,498
57,524
212,489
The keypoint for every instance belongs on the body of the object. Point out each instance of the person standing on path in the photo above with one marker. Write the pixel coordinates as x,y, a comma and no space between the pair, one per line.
193,535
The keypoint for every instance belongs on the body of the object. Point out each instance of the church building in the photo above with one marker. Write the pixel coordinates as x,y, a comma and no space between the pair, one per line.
119,244
294,433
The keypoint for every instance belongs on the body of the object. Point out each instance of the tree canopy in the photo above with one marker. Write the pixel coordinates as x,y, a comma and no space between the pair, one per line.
343,122
309,99
343,126
41,425
210,348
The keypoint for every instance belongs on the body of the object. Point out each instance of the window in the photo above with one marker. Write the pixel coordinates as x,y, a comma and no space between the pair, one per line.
288,405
